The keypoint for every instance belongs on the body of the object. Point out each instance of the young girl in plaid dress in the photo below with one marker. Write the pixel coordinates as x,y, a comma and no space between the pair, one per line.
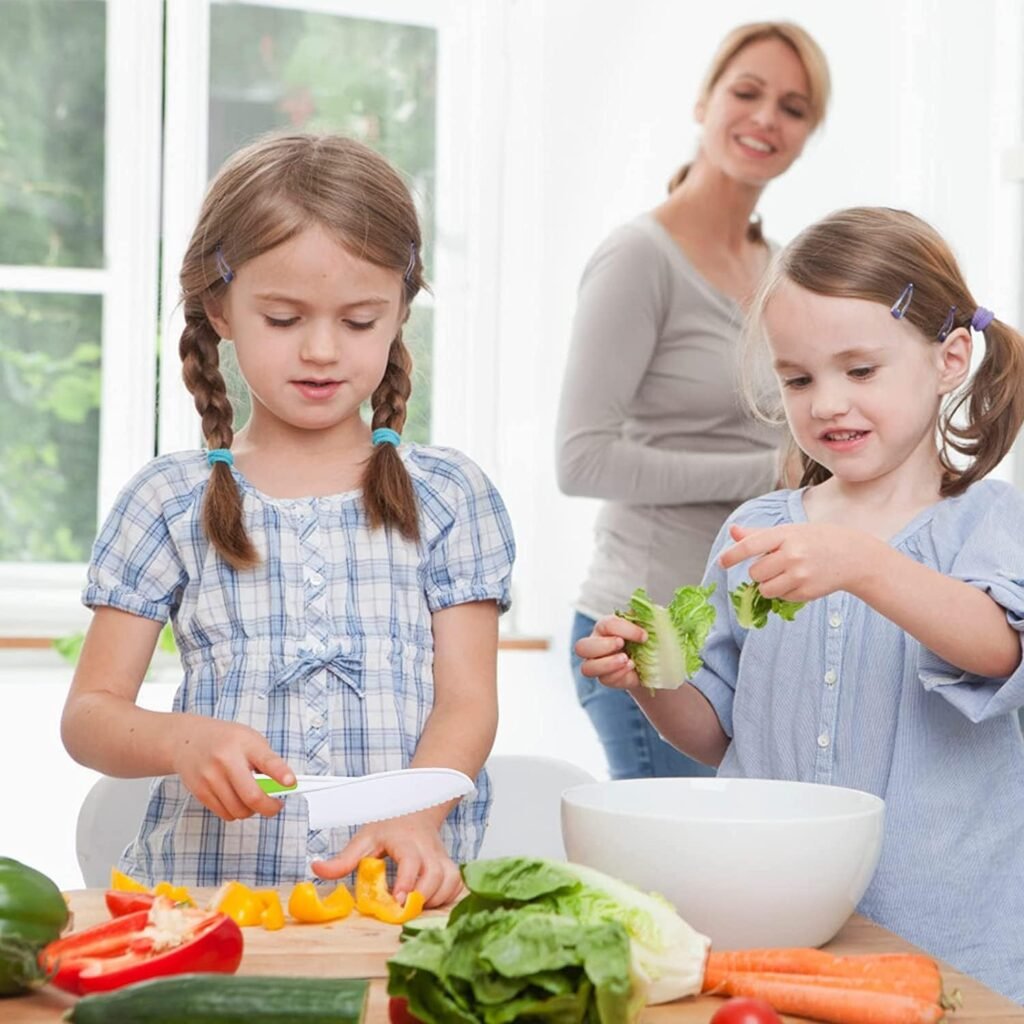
334,593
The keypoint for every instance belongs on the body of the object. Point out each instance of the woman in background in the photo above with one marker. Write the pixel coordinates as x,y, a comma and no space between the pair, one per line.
649,418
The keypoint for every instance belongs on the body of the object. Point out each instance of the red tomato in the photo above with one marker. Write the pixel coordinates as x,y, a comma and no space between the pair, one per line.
398,1012
745,1011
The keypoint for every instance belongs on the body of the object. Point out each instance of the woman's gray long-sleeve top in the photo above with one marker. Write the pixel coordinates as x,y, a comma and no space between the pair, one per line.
650,417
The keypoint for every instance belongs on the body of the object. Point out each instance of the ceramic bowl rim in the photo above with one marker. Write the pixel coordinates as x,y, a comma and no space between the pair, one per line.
874,805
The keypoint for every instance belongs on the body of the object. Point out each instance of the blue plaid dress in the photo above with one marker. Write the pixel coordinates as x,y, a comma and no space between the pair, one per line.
325,648
843,696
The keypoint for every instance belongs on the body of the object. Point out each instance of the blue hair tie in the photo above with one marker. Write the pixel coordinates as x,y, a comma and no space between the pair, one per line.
220,455
385,435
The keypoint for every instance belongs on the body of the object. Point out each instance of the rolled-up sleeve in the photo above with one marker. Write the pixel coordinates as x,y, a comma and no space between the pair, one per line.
987,553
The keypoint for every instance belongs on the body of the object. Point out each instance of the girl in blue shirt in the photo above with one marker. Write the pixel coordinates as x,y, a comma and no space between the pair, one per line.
334,595
903,675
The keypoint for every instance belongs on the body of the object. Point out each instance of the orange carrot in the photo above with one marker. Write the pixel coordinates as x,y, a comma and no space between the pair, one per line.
833,1005
928,988
815,961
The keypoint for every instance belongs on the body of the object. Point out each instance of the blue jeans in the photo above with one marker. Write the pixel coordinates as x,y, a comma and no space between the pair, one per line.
631,744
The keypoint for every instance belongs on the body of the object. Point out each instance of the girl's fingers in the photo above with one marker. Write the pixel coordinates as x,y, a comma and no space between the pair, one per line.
248,789
624,680
597,668
767,567
415,873
451,886
598,646
613,626
232,801
361,845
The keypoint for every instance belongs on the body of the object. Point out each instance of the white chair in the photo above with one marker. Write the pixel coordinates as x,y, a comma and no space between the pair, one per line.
526,813
108,821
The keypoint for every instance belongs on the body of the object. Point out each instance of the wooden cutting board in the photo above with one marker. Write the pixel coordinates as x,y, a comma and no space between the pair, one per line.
358,947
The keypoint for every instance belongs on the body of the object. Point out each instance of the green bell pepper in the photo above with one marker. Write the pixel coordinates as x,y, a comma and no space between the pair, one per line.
32,913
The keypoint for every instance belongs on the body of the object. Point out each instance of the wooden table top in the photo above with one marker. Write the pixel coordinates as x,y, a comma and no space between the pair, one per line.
357,947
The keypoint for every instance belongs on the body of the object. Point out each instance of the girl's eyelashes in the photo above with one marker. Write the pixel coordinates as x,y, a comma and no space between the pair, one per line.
355,325
862,372
795,382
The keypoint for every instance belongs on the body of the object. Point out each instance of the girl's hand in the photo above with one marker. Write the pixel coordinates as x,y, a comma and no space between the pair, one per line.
603,654
216,759
801,561
414,844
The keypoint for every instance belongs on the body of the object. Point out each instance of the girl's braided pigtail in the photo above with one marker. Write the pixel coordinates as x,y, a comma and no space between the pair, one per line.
222,506
388,494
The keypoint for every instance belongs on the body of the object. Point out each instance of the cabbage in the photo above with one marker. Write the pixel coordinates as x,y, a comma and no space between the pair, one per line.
752,609
675,635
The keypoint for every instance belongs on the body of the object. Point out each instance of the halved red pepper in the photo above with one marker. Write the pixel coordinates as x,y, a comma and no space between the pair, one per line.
147,944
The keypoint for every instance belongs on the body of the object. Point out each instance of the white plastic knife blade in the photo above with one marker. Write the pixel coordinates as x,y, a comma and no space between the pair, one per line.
336,800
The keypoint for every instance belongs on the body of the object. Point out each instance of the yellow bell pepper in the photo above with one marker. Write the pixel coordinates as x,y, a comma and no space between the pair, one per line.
305,904
375,900
120,882
125,883
272,917
242,904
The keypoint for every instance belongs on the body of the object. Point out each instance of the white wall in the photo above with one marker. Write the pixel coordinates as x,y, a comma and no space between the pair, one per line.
926,98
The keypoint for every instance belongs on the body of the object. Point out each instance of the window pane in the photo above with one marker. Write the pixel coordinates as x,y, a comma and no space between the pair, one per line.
49,425
373,80
52,67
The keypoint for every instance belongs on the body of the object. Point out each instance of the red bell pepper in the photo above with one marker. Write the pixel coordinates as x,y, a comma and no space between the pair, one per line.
120,902
146,944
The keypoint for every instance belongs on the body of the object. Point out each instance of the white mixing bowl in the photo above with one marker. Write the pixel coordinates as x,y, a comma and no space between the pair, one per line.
748,862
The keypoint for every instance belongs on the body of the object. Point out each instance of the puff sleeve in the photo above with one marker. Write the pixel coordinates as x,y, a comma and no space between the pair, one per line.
470,547
134,565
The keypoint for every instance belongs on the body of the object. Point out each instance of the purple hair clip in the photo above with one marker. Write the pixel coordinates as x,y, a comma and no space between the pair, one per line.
225,271
947,324
982,318
902,304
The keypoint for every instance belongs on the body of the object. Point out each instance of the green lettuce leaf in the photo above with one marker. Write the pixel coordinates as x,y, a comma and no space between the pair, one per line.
675,635
752,609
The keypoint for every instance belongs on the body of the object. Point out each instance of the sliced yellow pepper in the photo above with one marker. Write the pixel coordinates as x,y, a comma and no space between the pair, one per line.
375,900
305,904
121,882
272,917
242,904
175,893
125,883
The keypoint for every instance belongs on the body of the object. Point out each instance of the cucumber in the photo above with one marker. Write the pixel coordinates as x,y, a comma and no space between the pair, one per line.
227,999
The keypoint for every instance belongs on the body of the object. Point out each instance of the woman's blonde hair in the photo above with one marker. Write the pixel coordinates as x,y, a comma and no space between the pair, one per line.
873,253
265,194
809,53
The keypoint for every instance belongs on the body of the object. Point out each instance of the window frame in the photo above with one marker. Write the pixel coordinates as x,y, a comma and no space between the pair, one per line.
42,598
156,125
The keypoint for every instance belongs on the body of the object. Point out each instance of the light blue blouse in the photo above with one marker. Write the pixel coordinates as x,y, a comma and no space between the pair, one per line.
843,696
325,647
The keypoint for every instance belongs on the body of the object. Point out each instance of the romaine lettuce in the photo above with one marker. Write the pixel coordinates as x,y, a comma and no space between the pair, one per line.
675,635
752,609
547,941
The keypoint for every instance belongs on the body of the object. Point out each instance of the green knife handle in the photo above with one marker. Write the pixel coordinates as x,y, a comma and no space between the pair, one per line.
270,786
